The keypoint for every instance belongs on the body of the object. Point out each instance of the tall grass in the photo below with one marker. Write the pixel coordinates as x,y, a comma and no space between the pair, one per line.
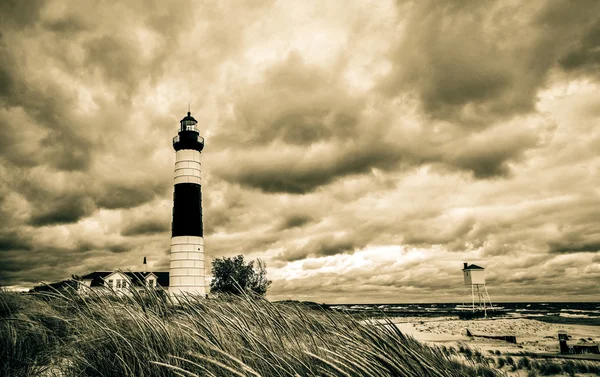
103,334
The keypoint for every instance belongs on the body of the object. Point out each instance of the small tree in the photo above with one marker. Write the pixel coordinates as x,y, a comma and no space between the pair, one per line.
232,275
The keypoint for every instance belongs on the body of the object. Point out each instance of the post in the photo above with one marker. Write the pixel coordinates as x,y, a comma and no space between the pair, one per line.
562,341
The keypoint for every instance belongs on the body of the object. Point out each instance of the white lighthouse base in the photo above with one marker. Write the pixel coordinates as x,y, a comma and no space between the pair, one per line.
186,273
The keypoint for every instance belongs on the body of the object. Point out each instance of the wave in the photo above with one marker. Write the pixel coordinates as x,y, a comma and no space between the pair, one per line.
569,315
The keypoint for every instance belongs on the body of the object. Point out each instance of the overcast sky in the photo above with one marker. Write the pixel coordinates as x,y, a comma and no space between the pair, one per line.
363,149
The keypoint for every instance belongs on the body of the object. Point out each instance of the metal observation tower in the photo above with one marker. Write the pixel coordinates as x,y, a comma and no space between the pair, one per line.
186,272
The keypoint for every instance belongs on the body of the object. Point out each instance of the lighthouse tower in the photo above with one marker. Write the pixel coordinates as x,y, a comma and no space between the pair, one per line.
186,273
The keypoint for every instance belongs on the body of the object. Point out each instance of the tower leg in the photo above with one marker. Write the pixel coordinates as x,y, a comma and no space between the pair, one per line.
465,297
488,296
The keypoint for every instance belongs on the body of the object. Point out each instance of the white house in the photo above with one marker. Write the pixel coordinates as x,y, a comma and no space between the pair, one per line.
124,280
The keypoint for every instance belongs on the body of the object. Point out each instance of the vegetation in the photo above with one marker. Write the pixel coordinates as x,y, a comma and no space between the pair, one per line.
104,334
529,362
233,276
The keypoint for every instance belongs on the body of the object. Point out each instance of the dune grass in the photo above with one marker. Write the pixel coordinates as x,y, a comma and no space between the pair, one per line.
103,334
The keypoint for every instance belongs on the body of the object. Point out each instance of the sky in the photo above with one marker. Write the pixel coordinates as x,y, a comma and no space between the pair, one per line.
363,149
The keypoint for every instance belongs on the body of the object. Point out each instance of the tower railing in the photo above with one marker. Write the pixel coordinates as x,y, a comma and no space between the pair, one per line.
176,139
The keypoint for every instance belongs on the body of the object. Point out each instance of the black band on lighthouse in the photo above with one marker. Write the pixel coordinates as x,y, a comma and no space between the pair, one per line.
187,210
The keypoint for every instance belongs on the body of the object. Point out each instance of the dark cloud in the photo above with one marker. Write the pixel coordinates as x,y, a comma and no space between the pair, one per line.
490,155
67,24
290,110
486,155
466,64
575,246
585,56
294,221
129,194
292,105
145,227
44,128
295,135
7,84
19,13
62,210
11,240
322,246
423,233
118,248
293,175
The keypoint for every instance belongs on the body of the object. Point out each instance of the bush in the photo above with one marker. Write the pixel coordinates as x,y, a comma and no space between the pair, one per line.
233,276
549,368
524,363
500,362
532,373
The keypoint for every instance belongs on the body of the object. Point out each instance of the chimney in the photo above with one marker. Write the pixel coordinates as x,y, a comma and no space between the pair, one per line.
464,264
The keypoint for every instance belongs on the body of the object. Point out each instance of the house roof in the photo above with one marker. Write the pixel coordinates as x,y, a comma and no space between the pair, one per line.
136,277
473,267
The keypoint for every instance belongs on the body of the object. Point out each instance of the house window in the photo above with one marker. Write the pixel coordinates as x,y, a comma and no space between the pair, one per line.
119,283
151,283
124,283
110,283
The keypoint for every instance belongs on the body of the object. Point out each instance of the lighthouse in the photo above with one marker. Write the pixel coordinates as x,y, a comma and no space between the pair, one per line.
186,272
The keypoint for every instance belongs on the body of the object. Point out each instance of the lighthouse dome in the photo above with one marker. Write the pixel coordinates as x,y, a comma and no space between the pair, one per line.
189,117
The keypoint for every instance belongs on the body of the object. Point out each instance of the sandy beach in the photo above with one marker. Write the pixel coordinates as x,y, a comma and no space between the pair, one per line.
532,336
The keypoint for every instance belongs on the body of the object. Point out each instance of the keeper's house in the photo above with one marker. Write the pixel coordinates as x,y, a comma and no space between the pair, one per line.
121,280
118,281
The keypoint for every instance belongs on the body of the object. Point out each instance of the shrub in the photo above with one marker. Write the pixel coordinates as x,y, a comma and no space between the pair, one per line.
500,362
233,276
524,363
549,368
532,373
